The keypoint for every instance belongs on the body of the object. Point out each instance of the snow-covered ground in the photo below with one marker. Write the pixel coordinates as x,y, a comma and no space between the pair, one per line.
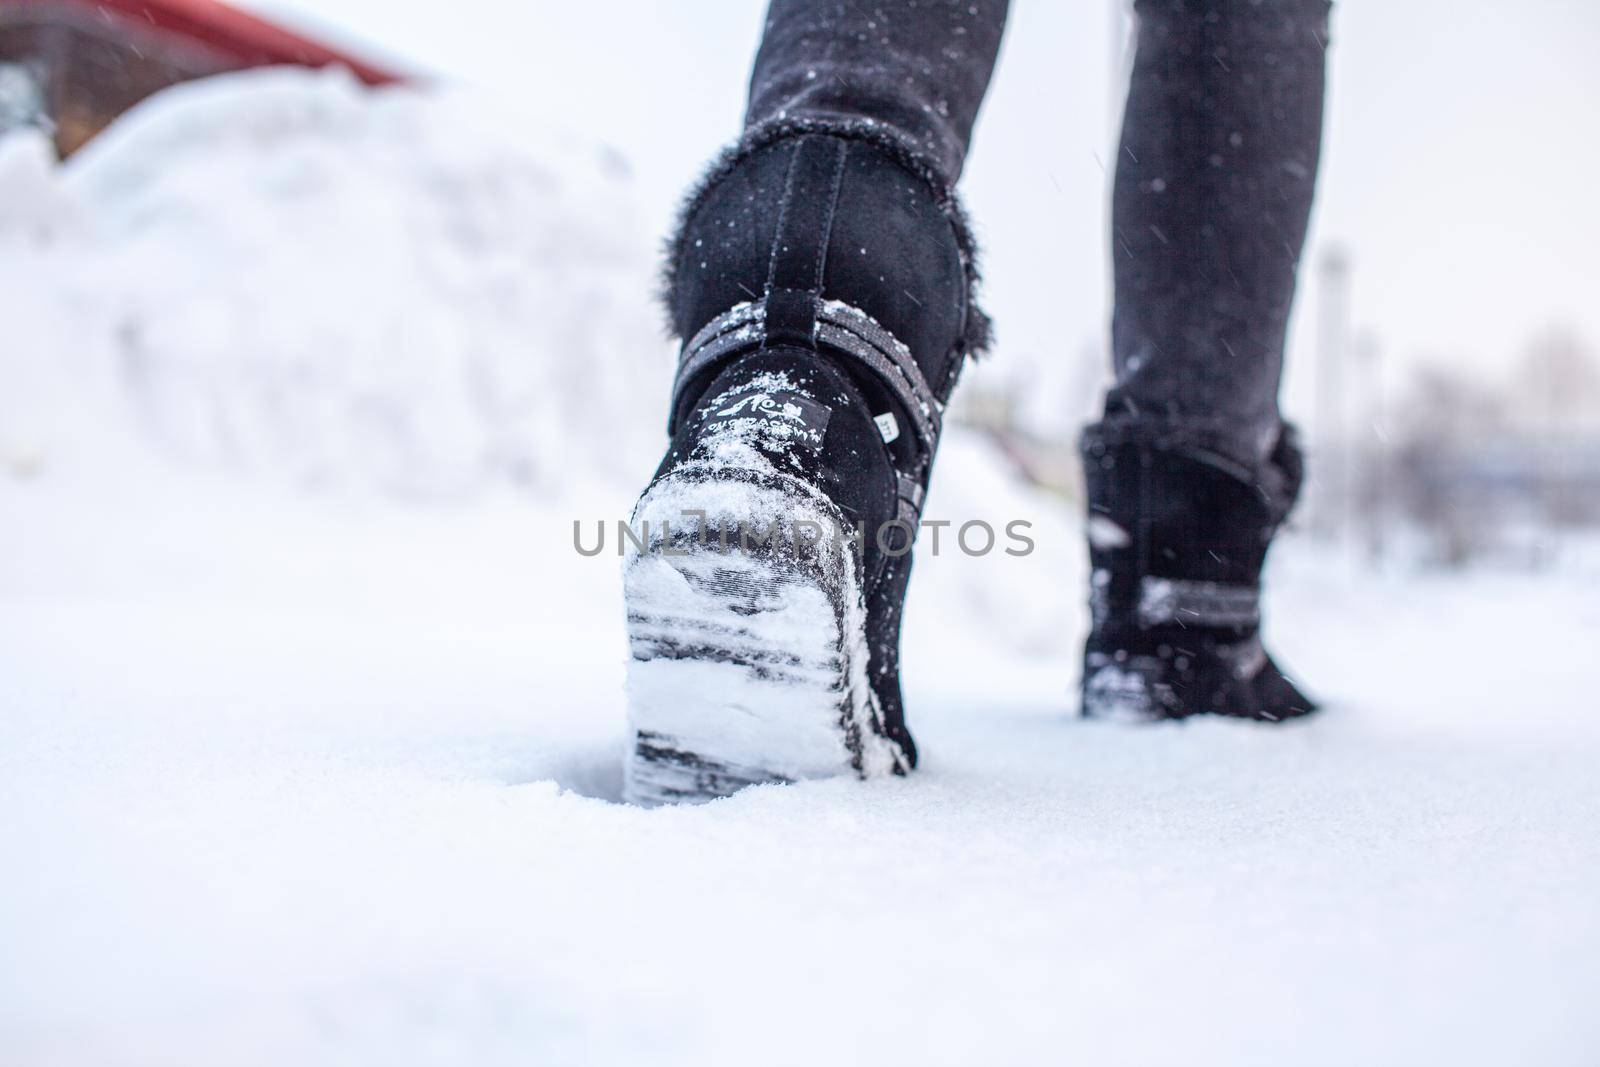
312,716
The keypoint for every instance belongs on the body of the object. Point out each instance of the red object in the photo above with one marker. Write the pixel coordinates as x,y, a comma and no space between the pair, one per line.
252,41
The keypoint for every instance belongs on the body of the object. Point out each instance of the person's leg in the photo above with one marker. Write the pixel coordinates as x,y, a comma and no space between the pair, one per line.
1192,469
1214,180
821,280
918,70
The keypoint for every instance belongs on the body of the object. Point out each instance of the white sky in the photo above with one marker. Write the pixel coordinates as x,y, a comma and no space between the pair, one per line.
1460,166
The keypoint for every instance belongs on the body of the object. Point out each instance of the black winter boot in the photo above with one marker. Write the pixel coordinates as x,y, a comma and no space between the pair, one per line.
1177,539
823,282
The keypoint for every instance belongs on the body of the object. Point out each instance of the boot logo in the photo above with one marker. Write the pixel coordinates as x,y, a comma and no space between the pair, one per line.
776,415
763,405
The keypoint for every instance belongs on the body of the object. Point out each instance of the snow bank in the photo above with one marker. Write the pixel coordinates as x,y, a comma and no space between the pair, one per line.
286,274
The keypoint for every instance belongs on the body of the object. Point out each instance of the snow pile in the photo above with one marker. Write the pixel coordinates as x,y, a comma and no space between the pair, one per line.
287,274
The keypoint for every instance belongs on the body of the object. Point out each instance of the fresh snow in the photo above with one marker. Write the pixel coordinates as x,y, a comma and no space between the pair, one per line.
313,716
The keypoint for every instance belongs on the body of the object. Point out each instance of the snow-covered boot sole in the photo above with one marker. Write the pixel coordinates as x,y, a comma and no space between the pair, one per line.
747,665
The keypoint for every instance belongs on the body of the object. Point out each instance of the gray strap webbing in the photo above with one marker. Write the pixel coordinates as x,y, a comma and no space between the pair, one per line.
842,329
910,503
1189,603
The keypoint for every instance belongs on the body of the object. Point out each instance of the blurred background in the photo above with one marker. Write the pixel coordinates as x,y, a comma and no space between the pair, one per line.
1444,355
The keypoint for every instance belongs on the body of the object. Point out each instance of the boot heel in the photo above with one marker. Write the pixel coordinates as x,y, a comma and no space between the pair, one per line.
746,667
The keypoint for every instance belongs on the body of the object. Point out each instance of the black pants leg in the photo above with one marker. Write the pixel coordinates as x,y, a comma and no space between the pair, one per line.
1214,181
916,68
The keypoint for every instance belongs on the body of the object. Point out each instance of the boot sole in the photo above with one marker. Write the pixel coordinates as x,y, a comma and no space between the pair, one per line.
746,667
1133,693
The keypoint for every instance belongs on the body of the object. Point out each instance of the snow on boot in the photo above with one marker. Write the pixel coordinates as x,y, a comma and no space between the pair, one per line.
1177,539
823,284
